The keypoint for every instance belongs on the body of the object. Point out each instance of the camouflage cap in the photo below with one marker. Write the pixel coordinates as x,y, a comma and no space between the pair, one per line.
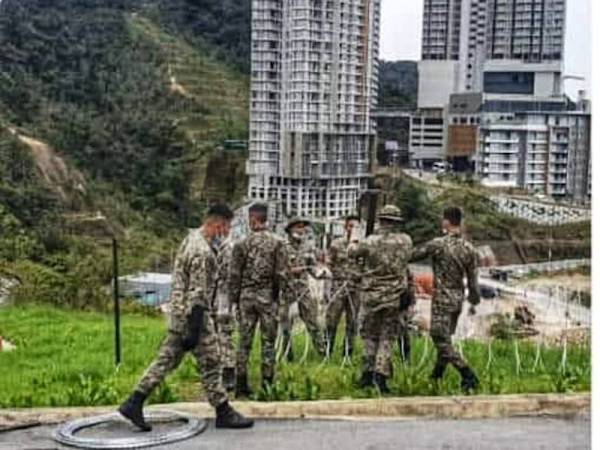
296,220
391,212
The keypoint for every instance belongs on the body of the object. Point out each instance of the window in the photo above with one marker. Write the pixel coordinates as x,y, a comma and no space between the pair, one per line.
508,82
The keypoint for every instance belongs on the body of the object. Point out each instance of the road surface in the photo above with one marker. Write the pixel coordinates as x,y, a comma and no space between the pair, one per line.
491,434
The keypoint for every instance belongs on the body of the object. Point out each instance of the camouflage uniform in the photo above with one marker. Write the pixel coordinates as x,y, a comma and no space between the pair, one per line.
224,314
297,289
257,270
453,259
194,284
344,294
384,260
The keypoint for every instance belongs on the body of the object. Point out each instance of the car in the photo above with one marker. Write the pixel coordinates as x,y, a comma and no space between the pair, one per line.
441,167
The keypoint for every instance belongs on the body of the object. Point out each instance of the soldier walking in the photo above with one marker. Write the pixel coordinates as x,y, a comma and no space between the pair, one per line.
344,296
191,327
257,270
453,259
384,261
301,265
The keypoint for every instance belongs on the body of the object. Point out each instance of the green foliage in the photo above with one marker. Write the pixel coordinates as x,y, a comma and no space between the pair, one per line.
223,24
65,358
398,83
15,241
421,216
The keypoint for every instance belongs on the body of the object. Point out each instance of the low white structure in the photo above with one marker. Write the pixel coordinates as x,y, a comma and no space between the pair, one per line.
542,152
152,289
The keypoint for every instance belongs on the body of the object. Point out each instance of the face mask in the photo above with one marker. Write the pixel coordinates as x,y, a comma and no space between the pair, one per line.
217,242
297,236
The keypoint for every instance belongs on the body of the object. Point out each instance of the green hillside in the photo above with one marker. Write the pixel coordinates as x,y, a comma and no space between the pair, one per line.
114,109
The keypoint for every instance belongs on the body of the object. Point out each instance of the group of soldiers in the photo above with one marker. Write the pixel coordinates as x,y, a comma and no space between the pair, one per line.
255,282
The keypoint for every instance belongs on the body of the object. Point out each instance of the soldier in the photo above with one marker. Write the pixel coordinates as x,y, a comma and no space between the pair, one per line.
224,318
257,271
344,292
301,265
191,328
453,259
384,261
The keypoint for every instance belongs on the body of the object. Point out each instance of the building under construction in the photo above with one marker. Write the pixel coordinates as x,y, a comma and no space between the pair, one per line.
314,81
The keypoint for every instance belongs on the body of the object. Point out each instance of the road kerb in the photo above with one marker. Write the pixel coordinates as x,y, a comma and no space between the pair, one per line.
472,407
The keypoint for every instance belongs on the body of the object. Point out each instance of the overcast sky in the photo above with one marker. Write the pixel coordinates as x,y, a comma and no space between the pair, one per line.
401,36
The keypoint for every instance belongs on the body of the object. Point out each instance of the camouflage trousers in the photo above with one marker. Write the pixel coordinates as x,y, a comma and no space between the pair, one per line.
344,300
257,313
379,331
444,317
225,327
308,310
207,356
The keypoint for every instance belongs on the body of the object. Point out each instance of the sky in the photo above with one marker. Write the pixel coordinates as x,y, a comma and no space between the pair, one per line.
401,37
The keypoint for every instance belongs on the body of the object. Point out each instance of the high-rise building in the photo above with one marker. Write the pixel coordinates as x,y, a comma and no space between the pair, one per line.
314,81
475,32
441,29
483,61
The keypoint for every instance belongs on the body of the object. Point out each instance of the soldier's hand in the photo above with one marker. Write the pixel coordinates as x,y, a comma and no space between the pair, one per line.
472,310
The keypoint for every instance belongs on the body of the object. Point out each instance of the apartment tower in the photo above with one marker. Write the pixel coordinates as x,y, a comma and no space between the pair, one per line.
313,84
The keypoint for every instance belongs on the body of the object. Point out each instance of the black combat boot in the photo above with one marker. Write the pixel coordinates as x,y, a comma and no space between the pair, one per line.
366,380
241,387
469,382
227,417
380,382
132,410
229,379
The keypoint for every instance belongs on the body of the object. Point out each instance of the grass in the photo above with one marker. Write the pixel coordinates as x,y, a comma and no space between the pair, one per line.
65,358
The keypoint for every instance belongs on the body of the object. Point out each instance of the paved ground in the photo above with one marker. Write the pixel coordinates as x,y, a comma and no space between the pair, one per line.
509,434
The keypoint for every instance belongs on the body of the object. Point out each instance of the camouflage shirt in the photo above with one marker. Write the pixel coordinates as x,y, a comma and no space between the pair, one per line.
453,259
383,258
194,278
343,267
299,256
258,266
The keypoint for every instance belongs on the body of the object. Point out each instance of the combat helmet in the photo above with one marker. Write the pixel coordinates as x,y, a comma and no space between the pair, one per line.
391,213
294,221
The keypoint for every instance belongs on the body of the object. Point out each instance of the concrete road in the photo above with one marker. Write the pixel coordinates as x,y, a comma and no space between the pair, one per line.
509,434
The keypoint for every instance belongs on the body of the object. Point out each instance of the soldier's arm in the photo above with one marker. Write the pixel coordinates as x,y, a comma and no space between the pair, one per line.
236,272
423,251
178,305
473,279
198,282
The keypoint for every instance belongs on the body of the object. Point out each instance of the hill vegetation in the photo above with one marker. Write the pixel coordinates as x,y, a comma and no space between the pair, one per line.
398,84
114,109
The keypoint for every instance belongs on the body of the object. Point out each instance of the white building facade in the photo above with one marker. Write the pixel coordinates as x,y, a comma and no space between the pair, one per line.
314,82
541,152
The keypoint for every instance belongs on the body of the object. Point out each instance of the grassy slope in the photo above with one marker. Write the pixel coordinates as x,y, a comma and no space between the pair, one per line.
217,108
66,358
